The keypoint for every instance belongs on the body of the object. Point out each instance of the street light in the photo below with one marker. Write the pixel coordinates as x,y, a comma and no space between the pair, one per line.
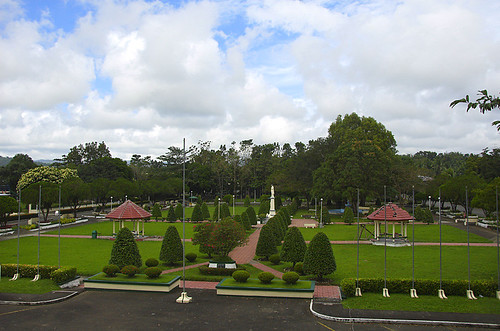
429,202
218,215
111,204
233,205
321,214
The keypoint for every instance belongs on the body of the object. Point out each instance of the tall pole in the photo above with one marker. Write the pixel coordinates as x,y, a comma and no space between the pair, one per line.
321,213
357,260
440,246
385,238
233,205
59,237
18,227
468,246
498,250
39,226
218,213
413,238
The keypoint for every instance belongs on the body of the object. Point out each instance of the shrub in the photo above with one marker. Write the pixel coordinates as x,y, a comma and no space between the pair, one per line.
299,268
171,247
252,217
246,203
197,215
204,211
191,257
27,270
125,250
152,272
111,270
178,211
294,247
171,214
319,259
290,277
224,211
152,262
266,246
348,215
241,276
266,277
130,270
275,259
63,274
156,211
201,236
205,270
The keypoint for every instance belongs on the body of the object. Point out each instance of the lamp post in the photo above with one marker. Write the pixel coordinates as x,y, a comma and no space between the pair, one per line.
321,213
218,214
111,203
429,202
233,206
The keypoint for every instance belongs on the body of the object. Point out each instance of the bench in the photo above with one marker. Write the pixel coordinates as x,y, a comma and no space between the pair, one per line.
310,225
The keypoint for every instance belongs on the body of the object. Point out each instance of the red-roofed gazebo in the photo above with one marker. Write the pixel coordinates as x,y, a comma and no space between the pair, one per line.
128,211
393,214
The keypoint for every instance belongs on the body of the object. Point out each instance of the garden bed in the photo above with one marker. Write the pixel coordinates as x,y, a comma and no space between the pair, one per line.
276,289
164,283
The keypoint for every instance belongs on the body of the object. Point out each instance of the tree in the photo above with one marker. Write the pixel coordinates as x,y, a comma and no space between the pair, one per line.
227,235
12,172
486,198
266,246
204,211
105,167
294,247
202,237
485,103
245,221
45,174
73,192
319,259
251,215
171,214
348,215
50,195
453,189
246,203
81,154
178,211
171,246
99,189
197,215
423,215
327,218
156,211
224,211
8,205
125,250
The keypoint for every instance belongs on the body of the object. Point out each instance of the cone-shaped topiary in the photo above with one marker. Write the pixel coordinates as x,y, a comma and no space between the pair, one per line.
171,247
294,247
246,203
245,221
171,214
125,250
319,259
197,215
178,211
224,211
205,212
266,246
348,215
156,211
251,215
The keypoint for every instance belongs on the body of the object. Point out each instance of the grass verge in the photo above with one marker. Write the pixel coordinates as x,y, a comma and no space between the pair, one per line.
275,283
25,285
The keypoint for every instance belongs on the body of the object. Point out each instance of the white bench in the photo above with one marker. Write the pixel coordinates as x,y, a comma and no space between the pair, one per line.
310,225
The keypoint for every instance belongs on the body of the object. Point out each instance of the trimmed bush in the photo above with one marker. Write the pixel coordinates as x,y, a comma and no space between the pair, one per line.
266,246
152,272
111,270
191,257
241,276
63,274
171,247
125,250
197,215
290,277
171,214
178,211
485,288
152,262
130,270
265,277
246,202
348,215
319,259
252,217
204,211
156,211
27,270
294,247
205,270
275,259
299,268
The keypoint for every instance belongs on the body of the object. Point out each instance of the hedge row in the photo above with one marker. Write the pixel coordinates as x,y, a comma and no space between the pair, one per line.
205,270
59,275
485,288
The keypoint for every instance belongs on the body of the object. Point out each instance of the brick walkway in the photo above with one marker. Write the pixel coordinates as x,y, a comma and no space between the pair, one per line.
180,268
245,254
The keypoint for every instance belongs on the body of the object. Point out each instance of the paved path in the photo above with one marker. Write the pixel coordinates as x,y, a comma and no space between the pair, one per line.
245,254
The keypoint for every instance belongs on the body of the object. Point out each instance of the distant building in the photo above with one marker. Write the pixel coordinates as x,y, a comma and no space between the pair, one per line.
4,190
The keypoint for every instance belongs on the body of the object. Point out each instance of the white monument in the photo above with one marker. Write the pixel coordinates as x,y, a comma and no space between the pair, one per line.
272,209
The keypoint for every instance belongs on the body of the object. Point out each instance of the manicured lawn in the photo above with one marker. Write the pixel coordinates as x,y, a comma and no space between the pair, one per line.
399,262
237,209
89,256
194,274
25,285
423,233
275,283
137,278
423,303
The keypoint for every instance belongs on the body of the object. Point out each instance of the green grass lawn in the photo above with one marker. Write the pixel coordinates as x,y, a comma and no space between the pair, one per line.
238,210
25,285
275,283
423,303
194,274
399,262
137,278
423,233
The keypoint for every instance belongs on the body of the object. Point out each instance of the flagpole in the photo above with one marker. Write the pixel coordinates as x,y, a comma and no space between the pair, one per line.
413,291
441,293
498,250
358,289
184,298
385,291
470,293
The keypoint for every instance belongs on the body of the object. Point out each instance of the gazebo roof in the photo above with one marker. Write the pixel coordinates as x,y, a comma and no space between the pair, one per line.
128,211
390,212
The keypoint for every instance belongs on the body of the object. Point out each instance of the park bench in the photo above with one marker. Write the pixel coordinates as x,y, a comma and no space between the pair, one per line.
310,225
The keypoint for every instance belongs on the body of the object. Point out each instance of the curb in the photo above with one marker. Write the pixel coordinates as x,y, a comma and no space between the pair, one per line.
400,321
42,302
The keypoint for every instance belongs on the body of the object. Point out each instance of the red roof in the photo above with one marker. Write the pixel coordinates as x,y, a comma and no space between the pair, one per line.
128,211
390,212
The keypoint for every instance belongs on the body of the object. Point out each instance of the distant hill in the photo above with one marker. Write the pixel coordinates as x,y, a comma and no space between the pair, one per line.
4,160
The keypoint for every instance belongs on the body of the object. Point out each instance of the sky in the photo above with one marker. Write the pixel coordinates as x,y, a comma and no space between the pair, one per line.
142,75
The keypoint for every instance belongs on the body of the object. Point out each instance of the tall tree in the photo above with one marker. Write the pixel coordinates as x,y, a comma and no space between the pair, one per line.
8,205
294,247
73,192
485,103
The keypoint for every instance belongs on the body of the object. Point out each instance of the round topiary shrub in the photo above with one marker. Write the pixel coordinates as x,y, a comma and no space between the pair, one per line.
299,268
152,262
191,257
241,276
266,277
290,277
130,270
275,259
153,272
111,270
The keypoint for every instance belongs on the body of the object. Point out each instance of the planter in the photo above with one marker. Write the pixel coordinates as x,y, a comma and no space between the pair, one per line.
303,289
113,284
227,265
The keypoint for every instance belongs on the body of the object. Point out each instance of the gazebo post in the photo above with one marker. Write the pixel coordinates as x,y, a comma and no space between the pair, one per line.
114,232
143,221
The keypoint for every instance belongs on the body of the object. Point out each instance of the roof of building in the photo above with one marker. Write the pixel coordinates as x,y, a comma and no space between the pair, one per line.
390,212
128,211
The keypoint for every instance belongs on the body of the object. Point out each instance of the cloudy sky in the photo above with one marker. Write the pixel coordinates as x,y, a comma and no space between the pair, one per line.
141,75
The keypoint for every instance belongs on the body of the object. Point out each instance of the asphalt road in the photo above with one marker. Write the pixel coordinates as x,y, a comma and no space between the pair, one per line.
115,310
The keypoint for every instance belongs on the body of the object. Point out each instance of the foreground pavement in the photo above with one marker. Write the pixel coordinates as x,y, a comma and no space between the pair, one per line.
116,310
